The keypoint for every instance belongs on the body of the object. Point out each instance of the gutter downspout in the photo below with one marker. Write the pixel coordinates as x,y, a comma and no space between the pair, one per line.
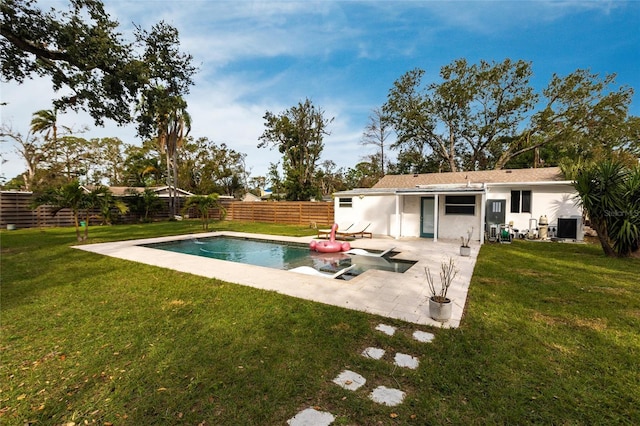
398,218
483,213
436,202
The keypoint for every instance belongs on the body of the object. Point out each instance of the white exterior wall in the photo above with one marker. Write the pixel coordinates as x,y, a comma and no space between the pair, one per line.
411,216
378,210
454,226
553,201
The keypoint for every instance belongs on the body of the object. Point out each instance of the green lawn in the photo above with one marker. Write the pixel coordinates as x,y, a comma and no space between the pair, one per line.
551,335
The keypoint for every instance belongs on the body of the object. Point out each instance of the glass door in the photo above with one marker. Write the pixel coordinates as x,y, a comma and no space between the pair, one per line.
427,217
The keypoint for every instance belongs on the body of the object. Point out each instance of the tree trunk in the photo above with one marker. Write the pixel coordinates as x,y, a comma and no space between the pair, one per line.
174,194
75,220
169,182
603,236
86,226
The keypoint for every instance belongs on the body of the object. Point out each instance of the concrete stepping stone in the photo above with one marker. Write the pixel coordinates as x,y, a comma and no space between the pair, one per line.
349,380
311,417
407,361
374,353
386,329
387,396
423,336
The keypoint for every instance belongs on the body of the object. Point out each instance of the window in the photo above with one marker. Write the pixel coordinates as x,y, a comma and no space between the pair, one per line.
345,202
520,201
460,204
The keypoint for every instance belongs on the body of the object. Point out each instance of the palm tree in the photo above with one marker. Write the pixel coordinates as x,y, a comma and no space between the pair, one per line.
102,198
165,117
45,121
609,194
173,128
203,203
71,196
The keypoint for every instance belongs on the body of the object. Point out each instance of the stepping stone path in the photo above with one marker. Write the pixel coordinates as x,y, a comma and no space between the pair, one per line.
311,417
349,380
387,396
353,381
374,353
408,361
386,329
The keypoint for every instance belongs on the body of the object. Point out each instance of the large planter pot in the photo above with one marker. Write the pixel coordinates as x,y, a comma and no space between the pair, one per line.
440,311
465,251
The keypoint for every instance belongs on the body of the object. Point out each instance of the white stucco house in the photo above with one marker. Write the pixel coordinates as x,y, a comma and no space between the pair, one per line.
448,205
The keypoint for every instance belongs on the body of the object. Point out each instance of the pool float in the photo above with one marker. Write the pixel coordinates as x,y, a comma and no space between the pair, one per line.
331,246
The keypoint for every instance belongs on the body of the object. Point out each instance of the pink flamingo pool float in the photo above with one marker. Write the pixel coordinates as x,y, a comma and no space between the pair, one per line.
331,246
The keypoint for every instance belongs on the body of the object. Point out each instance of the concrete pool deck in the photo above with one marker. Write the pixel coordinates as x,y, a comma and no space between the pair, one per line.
389,294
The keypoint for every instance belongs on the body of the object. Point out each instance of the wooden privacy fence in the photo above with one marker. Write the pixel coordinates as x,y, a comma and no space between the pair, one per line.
15,211
286,212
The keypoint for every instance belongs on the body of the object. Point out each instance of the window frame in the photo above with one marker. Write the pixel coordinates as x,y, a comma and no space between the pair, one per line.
455,205
521,200
343,203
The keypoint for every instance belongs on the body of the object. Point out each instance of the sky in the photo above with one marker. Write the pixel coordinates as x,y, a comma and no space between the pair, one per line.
258,56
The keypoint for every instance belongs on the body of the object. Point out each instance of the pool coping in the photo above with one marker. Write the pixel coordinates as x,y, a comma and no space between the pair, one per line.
389,294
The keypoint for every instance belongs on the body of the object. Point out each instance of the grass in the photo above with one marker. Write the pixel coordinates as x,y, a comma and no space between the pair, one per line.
550,336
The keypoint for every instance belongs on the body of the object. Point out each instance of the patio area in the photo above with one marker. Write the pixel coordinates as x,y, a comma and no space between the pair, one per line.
401,296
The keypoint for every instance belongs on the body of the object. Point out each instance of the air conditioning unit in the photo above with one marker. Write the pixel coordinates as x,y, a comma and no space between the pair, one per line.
570,228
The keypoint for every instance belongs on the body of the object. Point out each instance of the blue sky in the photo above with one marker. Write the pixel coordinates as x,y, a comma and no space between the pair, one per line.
256,56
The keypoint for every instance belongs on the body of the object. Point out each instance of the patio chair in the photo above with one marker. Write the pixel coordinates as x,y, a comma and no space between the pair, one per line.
357,229
308,270
362,252
324,233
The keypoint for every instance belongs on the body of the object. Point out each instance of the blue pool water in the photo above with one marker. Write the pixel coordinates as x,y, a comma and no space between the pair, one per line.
273,254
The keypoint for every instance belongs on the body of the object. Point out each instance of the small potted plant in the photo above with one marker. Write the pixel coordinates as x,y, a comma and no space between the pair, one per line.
465,250
439,303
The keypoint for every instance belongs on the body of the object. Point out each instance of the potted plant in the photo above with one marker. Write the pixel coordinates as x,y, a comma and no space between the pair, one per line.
439,303
465,250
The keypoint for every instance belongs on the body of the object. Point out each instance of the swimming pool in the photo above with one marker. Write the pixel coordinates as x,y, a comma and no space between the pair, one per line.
275,254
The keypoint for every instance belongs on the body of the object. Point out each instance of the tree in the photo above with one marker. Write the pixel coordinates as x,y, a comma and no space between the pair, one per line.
30,148
298,134
102,199
482,116
110,159
376,133
163,110
203,203
78,48
365,174
206,167
329,178
462,116
142,165
585,116
609,194
413,159
256,185
76,159
71,196
45,121
143,204
275,180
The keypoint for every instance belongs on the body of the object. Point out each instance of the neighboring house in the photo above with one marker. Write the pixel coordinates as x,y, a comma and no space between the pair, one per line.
448,205
121,191
250,197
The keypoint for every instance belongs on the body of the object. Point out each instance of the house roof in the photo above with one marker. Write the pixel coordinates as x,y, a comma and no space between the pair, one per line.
546,174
